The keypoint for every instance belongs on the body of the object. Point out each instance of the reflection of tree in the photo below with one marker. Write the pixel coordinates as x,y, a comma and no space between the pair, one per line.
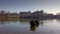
2,22
41,22
32,28
34,25
7,22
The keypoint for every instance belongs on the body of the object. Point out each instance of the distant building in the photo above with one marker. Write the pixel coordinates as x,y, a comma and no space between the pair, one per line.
12,15
2,12
25,14
36,14
58,13
2,15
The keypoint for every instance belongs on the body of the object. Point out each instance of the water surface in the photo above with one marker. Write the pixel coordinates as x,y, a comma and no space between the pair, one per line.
23,27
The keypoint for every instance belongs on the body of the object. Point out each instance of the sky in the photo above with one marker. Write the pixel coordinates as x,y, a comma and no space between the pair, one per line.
49,6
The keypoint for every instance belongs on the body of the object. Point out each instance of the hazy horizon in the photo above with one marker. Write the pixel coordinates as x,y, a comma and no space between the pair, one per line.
49,6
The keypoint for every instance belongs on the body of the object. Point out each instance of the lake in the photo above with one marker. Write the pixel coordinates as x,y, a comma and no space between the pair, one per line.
24,27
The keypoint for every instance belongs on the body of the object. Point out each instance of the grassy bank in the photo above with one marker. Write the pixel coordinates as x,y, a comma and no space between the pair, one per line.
10,19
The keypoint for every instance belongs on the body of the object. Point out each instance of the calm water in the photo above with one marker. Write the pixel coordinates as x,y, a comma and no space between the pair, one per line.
23,27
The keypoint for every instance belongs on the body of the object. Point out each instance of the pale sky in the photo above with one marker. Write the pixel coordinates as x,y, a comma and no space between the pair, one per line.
49,6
